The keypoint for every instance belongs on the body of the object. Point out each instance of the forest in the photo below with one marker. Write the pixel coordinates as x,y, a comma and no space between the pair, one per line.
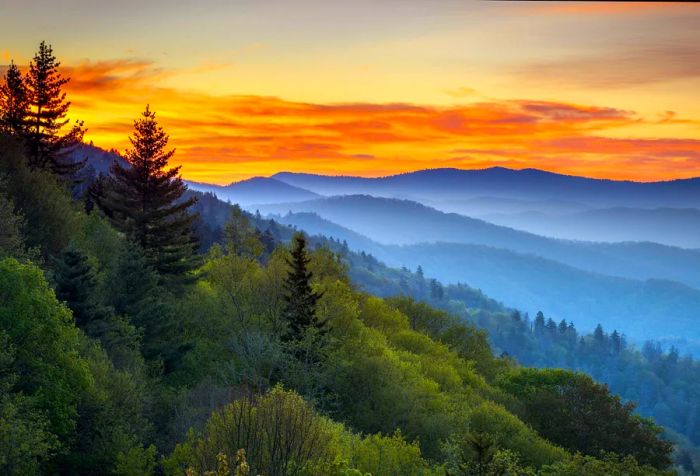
139,338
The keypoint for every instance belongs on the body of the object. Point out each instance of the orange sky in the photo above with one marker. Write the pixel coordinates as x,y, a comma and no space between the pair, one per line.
373,90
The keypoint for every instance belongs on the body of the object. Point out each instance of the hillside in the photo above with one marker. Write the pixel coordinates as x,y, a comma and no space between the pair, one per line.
145,366
391,221
670,226
637,307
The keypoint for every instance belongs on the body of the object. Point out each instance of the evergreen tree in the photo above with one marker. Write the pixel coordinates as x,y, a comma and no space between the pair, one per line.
300,299
616,342
144,200
134,293
539,323
14,103
47,116
563,327
76,285
599,334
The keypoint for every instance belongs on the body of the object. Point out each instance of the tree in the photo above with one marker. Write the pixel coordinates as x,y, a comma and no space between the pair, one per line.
571,410
25,441
300,309
76,285
241,237
47,116
144,200
280,433
539,323
135,293
46,360
50,219
11,240
14,103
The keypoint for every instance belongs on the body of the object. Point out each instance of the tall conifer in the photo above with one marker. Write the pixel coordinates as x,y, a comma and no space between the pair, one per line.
14,103
46,148
144,200
300,308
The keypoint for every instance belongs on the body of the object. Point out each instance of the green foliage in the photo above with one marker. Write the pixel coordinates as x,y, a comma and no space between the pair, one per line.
47,360
240,236
511,433
608,465
11,239
477,454
282,435
50,218
571,410
76,285
138,461
25,441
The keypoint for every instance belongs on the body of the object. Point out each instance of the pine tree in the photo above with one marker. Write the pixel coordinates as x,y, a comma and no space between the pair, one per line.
14,103
76,284
539,323
47,116
300,308
144,200
136,295
616,342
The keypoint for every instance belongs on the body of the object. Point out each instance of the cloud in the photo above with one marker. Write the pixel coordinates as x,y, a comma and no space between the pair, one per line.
225,138
618,67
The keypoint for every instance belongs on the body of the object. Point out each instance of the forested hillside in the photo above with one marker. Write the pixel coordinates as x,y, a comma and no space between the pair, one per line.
128,349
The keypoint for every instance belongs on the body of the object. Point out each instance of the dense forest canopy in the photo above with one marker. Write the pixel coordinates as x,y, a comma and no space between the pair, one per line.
146,330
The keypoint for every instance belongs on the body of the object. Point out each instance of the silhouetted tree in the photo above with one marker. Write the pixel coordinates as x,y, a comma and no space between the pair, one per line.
300,308
143,199
46,148
14,103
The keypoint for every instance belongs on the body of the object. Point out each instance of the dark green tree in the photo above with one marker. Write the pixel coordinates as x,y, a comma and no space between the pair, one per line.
11,239
144,200
575,412
46,146
135,293
76,285
300,298
14,103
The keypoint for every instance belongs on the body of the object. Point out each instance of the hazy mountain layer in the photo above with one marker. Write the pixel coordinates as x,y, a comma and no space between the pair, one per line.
402,222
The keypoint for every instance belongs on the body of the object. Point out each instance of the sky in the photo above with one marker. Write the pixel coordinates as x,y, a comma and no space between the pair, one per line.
254,87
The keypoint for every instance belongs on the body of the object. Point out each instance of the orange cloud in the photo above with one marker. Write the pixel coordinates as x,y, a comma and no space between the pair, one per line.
225,138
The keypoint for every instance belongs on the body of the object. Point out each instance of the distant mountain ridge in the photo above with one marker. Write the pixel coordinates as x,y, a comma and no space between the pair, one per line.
670,226
256,190
530,184
402,222
639,307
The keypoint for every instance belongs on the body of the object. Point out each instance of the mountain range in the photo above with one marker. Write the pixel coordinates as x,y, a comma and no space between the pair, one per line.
503,231
527,184
639,307
403,222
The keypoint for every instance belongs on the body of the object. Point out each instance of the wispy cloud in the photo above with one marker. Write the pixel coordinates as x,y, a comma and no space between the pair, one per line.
617,67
